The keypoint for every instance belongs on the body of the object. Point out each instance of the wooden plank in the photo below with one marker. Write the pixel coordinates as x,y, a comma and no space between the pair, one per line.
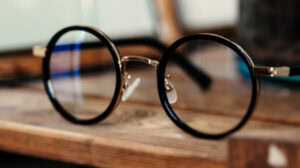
138,133
265,149
168,21
92,150
128,136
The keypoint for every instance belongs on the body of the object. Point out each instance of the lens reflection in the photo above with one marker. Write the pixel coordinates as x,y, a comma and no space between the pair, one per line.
83,74
214,105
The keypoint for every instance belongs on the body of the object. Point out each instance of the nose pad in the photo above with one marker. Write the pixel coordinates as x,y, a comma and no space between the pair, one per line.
129,88
171,91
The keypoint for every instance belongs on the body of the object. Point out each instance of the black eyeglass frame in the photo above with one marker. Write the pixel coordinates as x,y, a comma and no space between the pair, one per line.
47,74
160,66
162,92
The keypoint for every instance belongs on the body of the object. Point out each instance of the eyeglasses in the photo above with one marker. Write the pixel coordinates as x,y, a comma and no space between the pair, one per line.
207,84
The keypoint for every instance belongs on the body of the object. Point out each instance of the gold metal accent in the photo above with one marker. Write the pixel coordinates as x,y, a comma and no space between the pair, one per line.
271,71
148,61
39,51
168,86
126,78
282,71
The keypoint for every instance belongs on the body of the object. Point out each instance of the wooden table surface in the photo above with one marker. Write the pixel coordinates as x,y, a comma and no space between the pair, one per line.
137,134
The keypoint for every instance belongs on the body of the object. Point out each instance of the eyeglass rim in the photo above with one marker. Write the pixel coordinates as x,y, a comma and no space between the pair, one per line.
162,90
48,82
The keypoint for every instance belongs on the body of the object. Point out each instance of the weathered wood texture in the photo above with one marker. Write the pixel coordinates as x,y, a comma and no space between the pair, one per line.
265,149
137,134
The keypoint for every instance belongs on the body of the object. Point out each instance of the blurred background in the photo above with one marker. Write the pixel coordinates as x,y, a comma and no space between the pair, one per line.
33,22
268,30
26,23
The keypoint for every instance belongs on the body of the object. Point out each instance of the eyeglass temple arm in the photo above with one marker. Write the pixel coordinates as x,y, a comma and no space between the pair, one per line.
295,71
276,71
196,73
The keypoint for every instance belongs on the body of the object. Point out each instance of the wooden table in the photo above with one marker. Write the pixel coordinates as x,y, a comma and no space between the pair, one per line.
137,134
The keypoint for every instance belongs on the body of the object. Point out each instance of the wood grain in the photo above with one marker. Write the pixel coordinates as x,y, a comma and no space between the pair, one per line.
137,134
265,149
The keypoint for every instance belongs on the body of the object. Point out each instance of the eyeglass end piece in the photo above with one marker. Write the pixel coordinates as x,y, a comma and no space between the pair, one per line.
39,51
271,71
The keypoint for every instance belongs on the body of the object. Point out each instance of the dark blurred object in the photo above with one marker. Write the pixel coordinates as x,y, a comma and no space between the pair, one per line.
10,160
270,31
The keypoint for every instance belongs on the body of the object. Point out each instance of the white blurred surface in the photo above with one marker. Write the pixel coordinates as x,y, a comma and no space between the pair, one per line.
25,23
208,13
29,22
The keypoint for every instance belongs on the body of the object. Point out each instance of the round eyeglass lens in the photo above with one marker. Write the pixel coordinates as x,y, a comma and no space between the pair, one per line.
83,74
208,86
